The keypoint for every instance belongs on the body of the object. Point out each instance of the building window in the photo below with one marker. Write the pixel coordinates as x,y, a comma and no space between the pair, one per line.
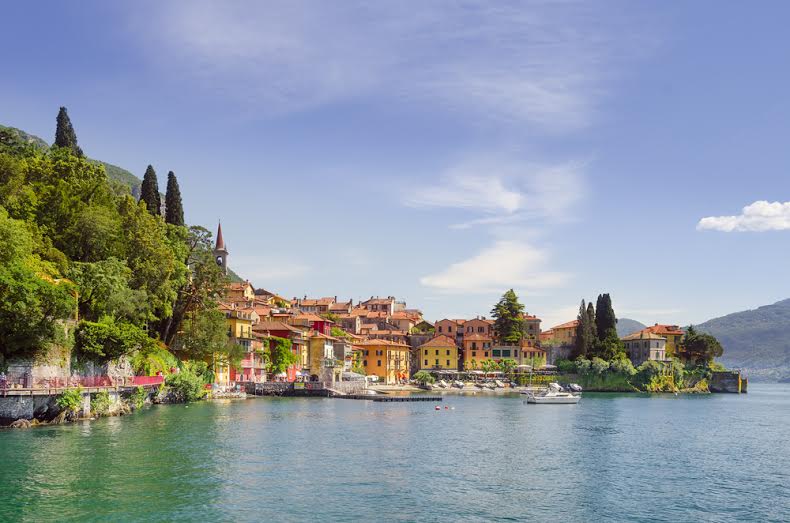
437,352
378,363
450,328
474,354
474,345
486,354
365,363
448,352
440,328
426,352
497,353
448,363
437,362
426,363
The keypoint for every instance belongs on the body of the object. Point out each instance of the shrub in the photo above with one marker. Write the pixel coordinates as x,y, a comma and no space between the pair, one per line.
422,377
566,366
100,404
185,386
583,365
623,366
138,398
70,400
646,373
599,366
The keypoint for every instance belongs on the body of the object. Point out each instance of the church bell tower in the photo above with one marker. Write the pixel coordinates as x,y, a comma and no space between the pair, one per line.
220,251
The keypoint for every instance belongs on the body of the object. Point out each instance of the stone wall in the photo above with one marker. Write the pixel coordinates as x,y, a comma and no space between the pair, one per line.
729,381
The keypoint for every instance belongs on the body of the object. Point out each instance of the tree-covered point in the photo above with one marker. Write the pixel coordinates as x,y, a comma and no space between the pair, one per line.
80,256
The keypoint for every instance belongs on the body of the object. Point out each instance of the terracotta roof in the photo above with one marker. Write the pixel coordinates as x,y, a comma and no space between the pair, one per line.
477,337
316,334
311,317
379,301
672,330
379,343
643,335
275,326
439,341
528,317
340,306
568,325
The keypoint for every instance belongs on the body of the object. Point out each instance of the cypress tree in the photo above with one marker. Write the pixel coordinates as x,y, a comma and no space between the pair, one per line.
65,135
605,320
174,210
582,332
592,330
149,192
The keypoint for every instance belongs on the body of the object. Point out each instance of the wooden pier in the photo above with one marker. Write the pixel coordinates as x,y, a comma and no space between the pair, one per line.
388,398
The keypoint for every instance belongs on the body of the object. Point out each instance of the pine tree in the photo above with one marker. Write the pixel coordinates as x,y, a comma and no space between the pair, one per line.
174,210
605,320
65,135
508,315
149,192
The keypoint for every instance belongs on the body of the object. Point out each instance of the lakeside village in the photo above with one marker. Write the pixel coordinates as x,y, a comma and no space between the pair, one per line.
109,300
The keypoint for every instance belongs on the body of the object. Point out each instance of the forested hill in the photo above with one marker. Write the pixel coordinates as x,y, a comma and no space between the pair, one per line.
114,172
756,340
626,326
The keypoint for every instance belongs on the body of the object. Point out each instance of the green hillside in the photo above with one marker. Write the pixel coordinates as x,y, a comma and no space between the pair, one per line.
11,136
756,340
626,326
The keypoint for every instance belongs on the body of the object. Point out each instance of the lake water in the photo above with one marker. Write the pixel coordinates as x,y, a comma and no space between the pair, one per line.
610,458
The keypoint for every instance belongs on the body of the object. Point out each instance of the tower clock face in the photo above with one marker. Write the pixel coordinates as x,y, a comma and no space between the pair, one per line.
219,261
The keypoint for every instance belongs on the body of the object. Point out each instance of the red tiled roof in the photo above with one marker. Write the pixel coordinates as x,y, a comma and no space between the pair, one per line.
568,325
439,341
643,335
672,330
379,343
477,337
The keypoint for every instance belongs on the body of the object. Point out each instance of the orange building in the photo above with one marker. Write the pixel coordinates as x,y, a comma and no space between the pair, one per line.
477,348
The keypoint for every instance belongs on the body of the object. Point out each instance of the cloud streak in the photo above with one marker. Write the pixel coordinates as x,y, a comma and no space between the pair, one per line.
502,265
505,191
759,216
536,63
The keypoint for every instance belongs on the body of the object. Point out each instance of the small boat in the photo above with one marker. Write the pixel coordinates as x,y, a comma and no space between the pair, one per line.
574,387
480,385
554,395
443,384
491,386
499,384
426,386
458,384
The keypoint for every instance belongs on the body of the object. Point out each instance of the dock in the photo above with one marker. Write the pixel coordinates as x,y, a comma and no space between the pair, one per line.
388,398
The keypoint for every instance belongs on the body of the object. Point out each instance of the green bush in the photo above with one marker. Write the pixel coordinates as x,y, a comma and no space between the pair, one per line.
599,366
583,365
100,404
70,400
566,366
185,386
623,366
138,397
422,377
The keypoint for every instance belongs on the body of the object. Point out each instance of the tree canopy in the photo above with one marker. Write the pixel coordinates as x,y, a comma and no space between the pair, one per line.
699,348
508,316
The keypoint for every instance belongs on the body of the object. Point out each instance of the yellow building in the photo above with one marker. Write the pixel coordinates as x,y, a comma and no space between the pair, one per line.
440,353
389,360
563,335
321,361
239,324
672,333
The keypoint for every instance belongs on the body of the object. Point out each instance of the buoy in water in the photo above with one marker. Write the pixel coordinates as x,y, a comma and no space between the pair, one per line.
437,407
446,407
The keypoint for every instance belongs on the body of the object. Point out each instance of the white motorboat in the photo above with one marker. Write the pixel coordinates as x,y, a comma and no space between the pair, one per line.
443,384
499,384
458,384
554,395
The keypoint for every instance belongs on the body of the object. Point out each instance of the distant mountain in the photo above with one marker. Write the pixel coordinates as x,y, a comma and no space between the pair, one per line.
113,171
627,326
757,341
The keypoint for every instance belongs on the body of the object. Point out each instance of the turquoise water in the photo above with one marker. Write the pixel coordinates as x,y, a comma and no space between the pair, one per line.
610,458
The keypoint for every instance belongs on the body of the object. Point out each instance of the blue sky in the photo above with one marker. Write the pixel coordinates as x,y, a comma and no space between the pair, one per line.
444,151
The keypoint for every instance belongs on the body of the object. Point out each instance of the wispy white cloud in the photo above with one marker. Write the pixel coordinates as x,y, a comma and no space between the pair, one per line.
264,270
505,191
756,217
538,63
500,266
